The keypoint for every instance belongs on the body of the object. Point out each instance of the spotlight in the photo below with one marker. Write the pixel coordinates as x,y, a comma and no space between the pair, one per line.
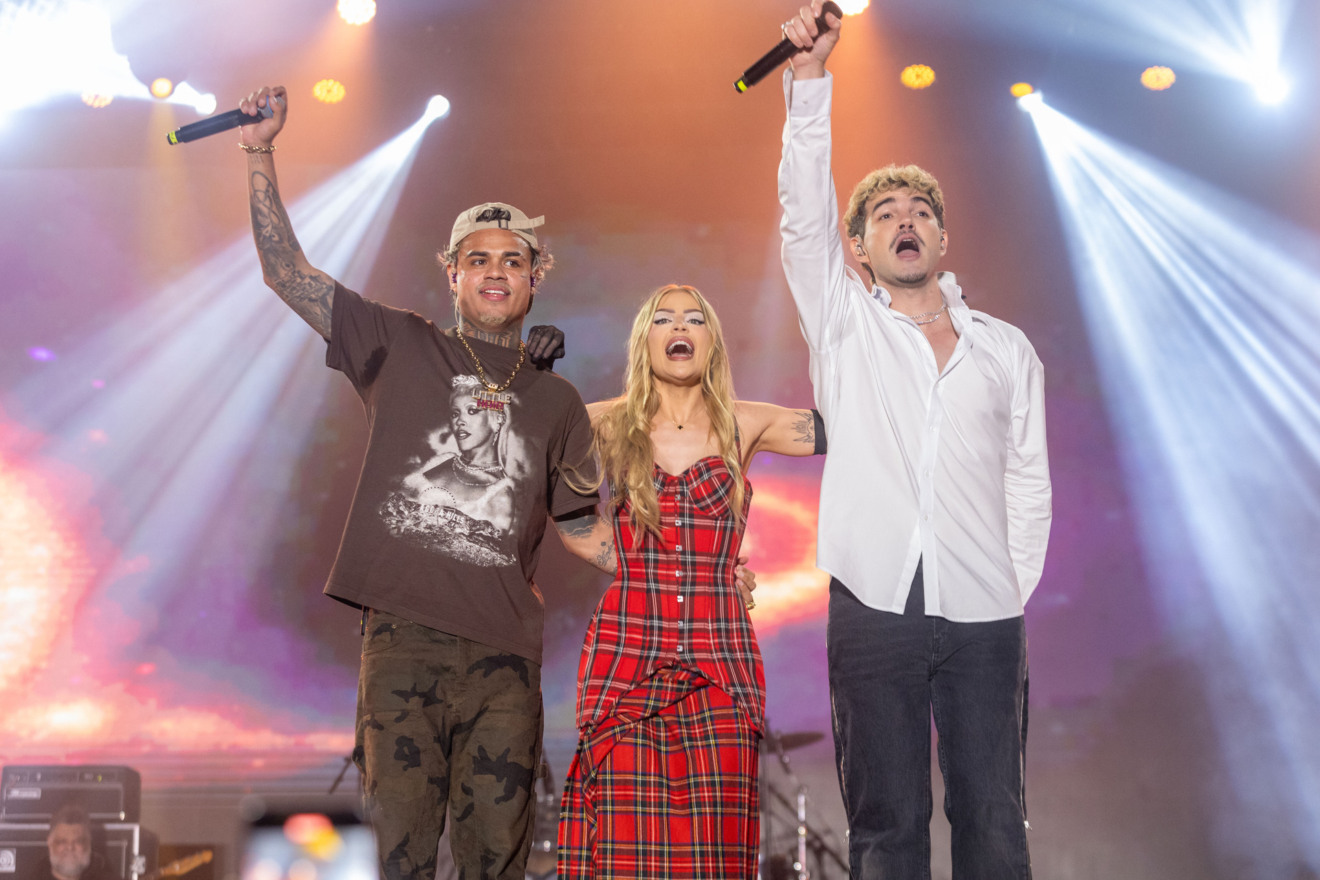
162,87
853,7
95,100
357,12
1157,79
1271,88
186,94
917,76
436,108
329,91
1021,90
1031,101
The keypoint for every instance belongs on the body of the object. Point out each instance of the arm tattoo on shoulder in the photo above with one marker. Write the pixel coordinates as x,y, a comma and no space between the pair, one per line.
308,294
804,427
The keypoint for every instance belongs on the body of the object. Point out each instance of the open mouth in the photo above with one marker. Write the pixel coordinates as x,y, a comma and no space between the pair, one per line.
679,348
494,292
907,243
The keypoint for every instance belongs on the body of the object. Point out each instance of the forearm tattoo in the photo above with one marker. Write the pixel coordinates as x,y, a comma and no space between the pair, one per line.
308,294
579,530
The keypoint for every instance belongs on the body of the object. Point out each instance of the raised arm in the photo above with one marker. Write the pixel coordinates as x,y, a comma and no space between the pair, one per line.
770,428
284,267
812,252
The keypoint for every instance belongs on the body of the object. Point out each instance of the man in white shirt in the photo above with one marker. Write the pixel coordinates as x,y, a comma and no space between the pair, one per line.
935,502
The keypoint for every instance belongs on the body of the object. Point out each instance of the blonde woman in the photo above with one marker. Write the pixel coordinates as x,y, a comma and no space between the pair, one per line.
671,693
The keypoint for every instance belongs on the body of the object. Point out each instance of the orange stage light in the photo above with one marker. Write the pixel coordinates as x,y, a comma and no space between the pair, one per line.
329,91
1021,90
853,7
162,87
1157,79
96,100
917,76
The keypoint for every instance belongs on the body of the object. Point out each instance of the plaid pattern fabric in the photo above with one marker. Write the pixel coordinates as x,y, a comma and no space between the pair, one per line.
674,601
666,788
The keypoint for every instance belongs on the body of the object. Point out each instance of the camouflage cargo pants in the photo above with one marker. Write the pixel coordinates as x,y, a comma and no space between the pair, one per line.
446,722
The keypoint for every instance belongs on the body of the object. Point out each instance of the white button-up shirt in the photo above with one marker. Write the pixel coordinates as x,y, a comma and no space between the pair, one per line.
944,467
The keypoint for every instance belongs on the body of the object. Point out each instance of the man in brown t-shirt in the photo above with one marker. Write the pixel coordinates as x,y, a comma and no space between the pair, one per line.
469,449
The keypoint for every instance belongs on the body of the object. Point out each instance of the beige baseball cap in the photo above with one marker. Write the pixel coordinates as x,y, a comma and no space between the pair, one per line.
496,215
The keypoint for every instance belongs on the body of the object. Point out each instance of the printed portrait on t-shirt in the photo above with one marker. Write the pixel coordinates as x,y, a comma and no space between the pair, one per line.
461,500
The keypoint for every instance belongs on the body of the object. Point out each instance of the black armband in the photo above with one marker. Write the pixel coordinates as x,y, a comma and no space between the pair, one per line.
818,431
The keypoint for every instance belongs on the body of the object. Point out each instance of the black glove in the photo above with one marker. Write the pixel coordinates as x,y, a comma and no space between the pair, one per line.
545,345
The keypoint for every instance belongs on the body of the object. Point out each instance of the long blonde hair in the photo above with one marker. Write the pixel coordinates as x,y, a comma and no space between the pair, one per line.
623,432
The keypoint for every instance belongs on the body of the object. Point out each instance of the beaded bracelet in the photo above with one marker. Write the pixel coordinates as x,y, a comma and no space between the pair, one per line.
250,148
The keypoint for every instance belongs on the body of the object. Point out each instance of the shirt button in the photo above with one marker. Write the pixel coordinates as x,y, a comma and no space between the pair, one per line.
679,548
680,597
678,574
680,649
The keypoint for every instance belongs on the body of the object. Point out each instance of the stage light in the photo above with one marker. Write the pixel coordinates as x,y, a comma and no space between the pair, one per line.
917,76
436,108
1194,301
189,97
162,87
853,7
1157,79
357,12
328,91
1021,89
96,101
1239,39
57,49
1271,88
1030,101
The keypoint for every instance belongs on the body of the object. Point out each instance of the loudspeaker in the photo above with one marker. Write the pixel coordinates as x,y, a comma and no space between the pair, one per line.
33,792
23,849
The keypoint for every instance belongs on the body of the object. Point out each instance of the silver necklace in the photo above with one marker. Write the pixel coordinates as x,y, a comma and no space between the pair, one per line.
930,317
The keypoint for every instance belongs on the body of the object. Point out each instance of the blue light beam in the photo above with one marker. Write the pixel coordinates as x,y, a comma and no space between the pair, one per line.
1200,309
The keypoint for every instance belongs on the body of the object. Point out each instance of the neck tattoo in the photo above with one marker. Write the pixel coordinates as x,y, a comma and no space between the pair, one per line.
930,317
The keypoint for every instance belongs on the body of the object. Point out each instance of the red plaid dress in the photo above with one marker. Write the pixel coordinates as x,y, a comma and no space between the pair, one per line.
671,699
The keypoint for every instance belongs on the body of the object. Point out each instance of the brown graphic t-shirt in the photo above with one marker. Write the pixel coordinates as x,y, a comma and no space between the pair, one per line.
446,524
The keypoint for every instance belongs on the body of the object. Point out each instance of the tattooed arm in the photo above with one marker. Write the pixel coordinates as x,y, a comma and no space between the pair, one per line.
771,428
588,537
284,266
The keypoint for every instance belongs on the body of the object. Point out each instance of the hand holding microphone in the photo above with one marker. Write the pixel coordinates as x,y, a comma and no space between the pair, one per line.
261,116
811,30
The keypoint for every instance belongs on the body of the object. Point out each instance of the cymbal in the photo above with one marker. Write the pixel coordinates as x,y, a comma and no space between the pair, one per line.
774,742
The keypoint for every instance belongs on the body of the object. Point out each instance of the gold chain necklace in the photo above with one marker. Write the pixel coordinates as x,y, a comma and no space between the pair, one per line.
481,374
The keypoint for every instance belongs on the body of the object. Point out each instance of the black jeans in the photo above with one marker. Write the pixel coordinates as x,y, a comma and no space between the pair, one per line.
888,672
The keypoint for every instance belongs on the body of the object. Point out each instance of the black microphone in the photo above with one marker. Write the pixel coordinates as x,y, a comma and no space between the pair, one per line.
781,53
216,124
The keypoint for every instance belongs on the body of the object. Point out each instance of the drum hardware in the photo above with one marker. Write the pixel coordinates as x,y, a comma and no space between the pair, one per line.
778,866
